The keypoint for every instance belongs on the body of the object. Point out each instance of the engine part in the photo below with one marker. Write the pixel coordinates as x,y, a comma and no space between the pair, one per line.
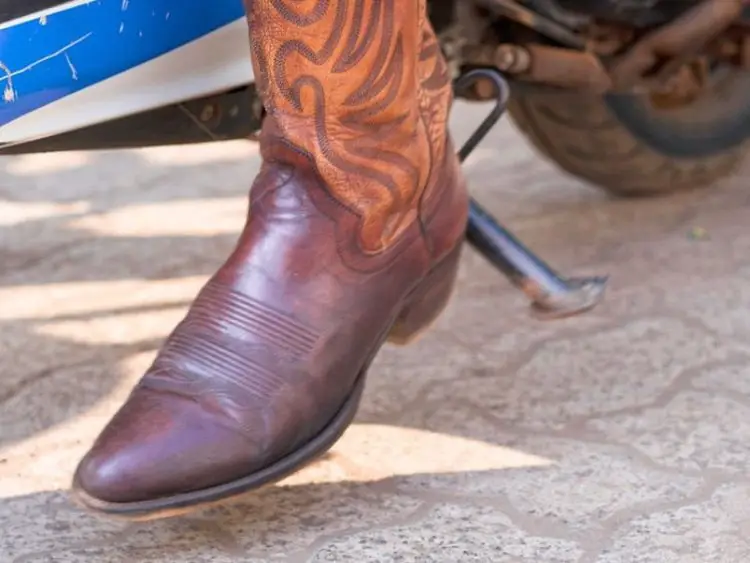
656,62
555,66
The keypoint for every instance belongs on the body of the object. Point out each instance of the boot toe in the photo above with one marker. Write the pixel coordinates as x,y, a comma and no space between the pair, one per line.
160,445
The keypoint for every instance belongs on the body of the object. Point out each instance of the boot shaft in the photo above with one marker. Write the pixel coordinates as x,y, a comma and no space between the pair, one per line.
358,88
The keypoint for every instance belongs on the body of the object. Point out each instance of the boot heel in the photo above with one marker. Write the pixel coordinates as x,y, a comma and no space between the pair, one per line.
426,301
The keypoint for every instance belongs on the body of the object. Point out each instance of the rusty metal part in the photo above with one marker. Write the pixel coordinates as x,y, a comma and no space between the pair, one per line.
555,66
682,88
666,49
513,59
665,62
513,10
567,68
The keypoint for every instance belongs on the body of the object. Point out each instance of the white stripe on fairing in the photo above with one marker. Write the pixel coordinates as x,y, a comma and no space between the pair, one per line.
214,63
46,12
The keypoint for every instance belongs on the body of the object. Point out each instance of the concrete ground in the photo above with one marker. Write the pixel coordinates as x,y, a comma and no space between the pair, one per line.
620,436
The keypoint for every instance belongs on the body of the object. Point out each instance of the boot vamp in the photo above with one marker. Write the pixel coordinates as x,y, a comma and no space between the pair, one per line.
266,356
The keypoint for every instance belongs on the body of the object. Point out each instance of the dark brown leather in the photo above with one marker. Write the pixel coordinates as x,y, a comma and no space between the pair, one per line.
359,197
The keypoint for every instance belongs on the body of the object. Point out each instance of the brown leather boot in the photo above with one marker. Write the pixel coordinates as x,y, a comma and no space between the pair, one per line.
356,222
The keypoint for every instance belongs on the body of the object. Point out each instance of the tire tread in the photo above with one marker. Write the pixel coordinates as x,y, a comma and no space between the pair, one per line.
582,137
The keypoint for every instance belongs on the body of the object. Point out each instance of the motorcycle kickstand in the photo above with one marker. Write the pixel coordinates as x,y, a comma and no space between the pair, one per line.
552,296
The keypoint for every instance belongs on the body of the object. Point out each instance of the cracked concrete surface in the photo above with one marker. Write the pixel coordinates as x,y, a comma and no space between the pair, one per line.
620,436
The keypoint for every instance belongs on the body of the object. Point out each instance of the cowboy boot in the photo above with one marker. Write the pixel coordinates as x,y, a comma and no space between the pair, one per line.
355,226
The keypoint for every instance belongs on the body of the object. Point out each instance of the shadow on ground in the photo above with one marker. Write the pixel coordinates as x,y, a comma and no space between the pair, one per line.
100,254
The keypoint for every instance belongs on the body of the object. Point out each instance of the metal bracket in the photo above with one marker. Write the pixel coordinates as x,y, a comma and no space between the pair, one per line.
551,295
517,12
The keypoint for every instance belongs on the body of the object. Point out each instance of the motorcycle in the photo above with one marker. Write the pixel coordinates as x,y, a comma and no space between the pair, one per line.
637,97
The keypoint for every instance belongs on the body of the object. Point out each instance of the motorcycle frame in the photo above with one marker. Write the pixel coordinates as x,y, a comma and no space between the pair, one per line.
104,74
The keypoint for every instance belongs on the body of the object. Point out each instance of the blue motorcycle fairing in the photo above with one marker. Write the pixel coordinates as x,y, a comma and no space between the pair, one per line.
46,59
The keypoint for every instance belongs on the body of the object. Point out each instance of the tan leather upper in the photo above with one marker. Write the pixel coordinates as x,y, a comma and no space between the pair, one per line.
341,82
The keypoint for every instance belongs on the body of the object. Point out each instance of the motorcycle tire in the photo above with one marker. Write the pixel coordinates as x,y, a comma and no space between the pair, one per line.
628,145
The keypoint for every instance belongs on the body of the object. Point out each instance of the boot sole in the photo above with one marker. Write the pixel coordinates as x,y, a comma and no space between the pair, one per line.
178,505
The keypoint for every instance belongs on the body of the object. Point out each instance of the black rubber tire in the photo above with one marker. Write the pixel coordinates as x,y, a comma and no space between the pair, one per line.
624,146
